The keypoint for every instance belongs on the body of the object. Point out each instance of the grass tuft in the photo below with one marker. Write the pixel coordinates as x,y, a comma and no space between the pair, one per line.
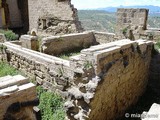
6,69
68,55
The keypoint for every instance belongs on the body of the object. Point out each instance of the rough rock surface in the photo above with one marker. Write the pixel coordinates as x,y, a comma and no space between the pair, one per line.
153,113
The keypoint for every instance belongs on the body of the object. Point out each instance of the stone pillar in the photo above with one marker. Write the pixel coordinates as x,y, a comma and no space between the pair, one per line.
30,42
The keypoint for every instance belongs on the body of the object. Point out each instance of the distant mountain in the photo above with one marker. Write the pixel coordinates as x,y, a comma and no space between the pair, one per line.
106,21
152,9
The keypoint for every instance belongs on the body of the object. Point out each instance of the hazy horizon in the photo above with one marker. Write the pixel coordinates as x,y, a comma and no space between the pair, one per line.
93,4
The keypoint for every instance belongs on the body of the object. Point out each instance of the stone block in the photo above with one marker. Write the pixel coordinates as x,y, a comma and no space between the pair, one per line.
30,42
2,38
17,94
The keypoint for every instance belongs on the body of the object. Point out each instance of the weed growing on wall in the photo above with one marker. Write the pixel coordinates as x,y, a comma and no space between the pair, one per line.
66,56
87,65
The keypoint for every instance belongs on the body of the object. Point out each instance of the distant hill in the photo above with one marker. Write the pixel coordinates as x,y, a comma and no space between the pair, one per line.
152,9
97,20
106,21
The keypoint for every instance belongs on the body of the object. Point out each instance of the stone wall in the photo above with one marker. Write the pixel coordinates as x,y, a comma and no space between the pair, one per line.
132,24
53,17
30,42
152,34
15,95
136,18
101,82
57,45
42,68
104,37
112,78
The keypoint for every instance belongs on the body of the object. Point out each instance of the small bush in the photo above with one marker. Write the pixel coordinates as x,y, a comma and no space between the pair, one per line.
9,34
6,69
124,31
158,44
51,105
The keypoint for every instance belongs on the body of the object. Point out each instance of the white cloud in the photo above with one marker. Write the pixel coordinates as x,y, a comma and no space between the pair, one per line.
88,4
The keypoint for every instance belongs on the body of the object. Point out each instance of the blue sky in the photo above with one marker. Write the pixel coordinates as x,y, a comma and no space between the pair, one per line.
89,4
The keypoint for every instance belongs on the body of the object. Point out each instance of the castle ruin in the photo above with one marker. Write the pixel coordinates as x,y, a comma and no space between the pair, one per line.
54,17
109,74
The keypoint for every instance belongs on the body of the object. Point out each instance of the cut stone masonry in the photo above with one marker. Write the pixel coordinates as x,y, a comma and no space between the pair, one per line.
14,91
53,17
132,24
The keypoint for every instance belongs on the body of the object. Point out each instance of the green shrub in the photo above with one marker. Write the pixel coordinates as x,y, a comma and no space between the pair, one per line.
124,31
6,69
157,45
51,105
9,34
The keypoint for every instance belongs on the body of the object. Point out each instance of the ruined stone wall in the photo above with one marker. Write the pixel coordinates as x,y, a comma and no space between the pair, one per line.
131,22
104,37
37,66
101,82
16,94
152,34
57,45
132,17
53,17
114,77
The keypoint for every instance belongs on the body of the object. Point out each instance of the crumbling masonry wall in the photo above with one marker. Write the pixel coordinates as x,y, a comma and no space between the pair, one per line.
133,17
134,20
17,98
114,77
132,24
53,16
56,45
101,82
